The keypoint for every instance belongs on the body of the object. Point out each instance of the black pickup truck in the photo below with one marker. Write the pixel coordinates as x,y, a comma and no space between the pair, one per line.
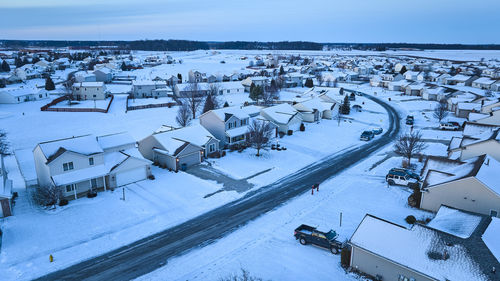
310,235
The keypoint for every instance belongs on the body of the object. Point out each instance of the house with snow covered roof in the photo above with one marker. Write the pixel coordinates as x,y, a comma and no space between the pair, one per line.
103,74
415,89
467,147
470,185
483,83
150,89
284,116
89,90
228,124
88,163
455,245
315,109
195,134
491,118
460,80
18,95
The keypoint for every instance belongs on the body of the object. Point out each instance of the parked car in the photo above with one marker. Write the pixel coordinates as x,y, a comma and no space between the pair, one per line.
410,120
408,172
377,131
367,135
398,177
310,235
454,126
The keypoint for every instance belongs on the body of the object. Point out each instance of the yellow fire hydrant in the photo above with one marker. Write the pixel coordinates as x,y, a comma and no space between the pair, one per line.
51,258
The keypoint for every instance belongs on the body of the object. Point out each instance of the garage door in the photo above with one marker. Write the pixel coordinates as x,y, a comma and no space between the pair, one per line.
294,125
190,160
130,176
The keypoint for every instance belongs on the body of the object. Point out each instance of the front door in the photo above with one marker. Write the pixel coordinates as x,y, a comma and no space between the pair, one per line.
93,183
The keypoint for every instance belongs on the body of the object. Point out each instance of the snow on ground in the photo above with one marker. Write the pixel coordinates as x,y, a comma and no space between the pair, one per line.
89,227
266,247
136,102
102,104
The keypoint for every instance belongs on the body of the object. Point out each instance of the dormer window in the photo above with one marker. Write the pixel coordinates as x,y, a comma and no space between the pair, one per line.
91,161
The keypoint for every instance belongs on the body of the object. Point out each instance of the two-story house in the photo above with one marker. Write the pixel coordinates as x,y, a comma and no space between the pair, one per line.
89,90
229,124
89,163
150,89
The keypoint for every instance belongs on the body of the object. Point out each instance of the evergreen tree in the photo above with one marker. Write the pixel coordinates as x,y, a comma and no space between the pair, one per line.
403,69
35,60
282,71
309,83
256,92
341,91
2,83
25,61
209,104
18,62
179,77
226,104
49,84
5,67
124,67
346,106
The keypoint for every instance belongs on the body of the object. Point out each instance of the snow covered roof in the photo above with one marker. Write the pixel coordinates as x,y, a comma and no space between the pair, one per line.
281,113
148,83
89,84
469,106
86,145
441,170
473,116
195,134
490,237
115,140
230,85
227,112
455,222
316,103
472,129
80,175
19,92
484,80
488,174
237,131
417,248
459,78
114,159
170,144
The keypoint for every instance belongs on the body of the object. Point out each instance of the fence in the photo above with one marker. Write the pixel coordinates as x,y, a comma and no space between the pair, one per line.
48,107
168,104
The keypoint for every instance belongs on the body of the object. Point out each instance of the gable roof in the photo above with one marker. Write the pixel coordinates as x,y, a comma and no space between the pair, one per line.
195,134
86,145
115,140
281,113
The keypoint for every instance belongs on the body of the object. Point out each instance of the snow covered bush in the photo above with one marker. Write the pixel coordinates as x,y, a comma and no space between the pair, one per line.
47,196
244,276
410,219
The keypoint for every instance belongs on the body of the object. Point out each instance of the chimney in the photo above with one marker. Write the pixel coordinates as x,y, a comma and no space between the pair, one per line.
487,162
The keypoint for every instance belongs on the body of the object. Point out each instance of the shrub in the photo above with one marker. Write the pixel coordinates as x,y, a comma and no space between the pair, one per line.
63,202
345,257
244,276
281,134
302,127
151,177
47,195
290,132
410,219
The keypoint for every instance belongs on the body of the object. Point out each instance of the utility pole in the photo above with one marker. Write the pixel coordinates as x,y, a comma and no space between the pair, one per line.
340,219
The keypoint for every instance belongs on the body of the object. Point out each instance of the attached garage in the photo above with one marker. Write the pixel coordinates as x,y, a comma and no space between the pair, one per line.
190,159
130,176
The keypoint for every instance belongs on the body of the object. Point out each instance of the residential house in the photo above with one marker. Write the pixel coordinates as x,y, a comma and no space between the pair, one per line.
150,89
397,85
460,80
256,80
84,76
283,116
455,245
103,74
492,118
411,75
195,134
314,109
89,90
468,147
434,93
489,106
229,88
483,83
187,89
228,124
87,163
415,89
195,76
463,109
9,95
5,192
470,185
294,80
170,152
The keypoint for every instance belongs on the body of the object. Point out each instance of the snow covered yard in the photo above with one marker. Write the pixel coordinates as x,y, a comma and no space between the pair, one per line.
266,247
146,101
102,104
302,148
88,227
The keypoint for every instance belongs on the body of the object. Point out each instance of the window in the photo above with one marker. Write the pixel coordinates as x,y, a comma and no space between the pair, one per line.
40,95
228,91
70,188
230,125
93,183
493,213
211,148
91,161
94,96
68,166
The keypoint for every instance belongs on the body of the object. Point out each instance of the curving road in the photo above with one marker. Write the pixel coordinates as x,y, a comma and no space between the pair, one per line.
150,253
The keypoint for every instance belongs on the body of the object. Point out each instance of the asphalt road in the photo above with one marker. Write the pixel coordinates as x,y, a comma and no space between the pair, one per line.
150,253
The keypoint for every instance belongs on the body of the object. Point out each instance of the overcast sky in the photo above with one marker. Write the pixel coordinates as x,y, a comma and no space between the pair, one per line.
413,21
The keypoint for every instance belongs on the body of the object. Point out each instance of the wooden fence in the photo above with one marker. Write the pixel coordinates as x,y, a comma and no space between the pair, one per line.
48,107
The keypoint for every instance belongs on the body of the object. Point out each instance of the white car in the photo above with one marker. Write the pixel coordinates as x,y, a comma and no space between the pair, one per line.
453,126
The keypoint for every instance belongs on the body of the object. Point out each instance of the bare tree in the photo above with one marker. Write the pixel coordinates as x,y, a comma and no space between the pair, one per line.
183,117
193,98
47,196
259,134
319,77
409,145
244,276
441,110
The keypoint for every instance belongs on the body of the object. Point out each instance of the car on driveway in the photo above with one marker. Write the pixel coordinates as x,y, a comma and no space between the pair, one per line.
410,173
310,235
367,135
401,177
453,126
377,131
410,120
